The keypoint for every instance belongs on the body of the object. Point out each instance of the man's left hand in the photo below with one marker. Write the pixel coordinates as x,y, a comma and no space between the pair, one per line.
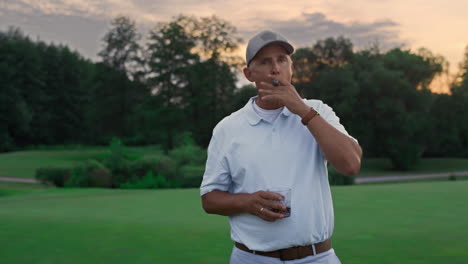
285,93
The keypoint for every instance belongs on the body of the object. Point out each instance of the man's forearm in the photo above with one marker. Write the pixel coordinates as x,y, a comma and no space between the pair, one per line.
223,203
340,150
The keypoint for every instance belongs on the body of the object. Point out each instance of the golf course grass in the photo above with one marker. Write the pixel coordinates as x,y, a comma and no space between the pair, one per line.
392,223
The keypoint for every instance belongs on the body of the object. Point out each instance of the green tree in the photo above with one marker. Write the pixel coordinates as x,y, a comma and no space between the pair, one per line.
336,86
20,89
394,104
333,52
117,90
459,106
215,38
192,69
446,115
169,57
63,113
464,67
210,91
121,50
112,100
214,93
324,56
418,69
42,92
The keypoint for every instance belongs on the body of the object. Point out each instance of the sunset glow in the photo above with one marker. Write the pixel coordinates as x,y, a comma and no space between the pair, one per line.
437,25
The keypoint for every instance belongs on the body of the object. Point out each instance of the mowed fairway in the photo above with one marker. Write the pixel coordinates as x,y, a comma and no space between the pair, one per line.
390,223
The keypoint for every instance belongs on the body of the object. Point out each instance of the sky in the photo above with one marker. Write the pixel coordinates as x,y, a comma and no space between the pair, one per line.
440,26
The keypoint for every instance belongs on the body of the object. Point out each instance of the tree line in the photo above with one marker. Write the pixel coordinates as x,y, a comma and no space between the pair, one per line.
181,80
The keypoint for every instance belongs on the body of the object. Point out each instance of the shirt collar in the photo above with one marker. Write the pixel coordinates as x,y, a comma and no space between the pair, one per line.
253,117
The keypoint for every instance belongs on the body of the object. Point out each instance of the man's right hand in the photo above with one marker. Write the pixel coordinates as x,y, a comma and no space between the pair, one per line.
225,203
263,203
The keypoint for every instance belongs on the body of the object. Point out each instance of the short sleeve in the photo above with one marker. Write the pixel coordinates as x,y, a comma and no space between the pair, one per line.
217,175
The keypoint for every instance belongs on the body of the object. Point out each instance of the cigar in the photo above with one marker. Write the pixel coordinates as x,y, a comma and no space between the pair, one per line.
275,82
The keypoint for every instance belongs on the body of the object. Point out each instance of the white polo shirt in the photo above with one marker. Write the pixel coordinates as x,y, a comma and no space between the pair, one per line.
247,154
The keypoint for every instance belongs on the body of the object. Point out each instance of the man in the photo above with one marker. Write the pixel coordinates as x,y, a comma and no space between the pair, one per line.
277,139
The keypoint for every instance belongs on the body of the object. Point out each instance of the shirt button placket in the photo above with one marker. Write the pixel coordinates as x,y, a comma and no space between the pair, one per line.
276,138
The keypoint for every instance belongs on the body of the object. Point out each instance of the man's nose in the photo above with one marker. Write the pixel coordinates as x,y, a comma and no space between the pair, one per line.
274,68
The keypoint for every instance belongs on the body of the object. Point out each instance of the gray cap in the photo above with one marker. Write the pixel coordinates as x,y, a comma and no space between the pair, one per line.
264,38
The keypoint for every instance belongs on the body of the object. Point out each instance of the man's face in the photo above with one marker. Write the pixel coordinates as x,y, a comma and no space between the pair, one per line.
270,62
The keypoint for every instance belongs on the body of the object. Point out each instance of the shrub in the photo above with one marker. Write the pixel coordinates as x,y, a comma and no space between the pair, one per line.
140,168
166,166
148,182
56,176
190,176
162,164
100,177
91,173
79,177
188,154
118,162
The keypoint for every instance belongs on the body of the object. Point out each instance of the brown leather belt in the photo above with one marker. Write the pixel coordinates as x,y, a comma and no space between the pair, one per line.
292,252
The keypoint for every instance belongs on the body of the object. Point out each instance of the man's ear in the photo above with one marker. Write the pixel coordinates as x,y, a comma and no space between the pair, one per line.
248,74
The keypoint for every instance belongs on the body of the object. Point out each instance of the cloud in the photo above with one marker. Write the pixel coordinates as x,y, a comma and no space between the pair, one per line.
82,23
84,8
306,29
143,11
79,33
79,24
